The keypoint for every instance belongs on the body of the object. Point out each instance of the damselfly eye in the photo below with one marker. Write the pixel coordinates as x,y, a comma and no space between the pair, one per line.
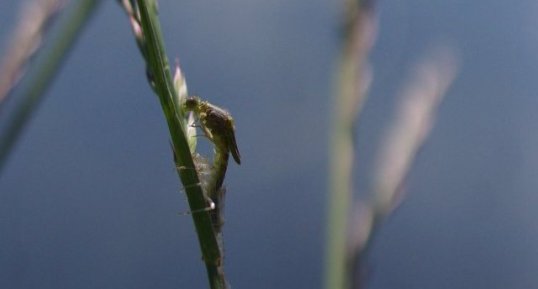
192,103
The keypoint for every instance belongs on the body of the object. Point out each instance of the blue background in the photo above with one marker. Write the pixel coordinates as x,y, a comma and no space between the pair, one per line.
90,198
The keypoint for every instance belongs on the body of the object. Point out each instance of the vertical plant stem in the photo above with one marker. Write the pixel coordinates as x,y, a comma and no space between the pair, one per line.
347,102
159,68
34,86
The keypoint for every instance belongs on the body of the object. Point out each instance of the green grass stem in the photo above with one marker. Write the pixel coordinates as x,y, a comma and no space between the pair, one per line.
347,102
158,65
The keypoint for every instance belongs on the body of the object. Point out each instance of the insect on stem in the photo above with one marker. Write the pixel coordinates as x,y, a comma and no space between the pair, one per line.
217,124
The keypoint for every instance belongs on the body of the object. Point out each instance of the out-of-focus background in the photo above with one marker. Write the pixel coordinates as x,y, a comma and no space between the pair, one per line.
90,198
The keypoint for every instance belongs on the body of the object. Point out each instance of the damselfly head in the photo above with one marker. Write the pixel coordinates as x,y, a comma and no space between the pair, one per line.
192,103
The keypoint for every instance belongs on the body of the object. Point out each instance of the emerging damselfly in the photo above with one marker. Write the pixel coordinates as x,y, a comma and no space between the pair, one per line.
218,126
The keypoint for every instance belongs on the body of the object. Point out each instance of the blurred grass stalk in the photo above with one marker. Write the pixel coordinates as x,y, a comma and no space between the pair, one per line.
403,140
26,42
34,20
349,95
147,31
413,122
348,243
